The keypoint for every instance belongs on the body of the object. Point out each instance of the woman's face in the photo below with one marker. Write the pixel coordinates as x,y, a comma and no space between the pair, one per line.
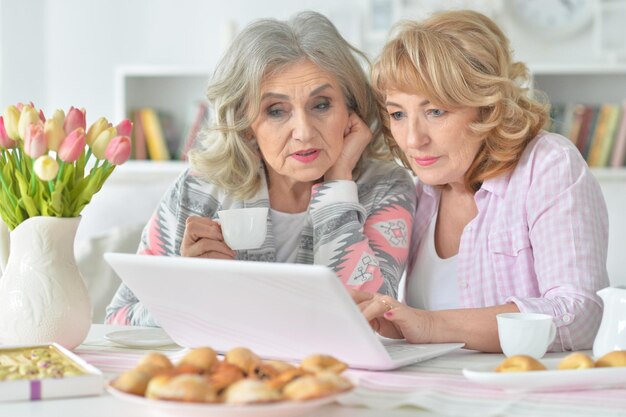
302,122
437,141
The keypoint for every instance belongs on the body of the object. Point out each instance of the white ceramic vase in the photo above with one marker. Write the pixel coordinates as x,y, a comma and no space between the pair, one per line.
43,297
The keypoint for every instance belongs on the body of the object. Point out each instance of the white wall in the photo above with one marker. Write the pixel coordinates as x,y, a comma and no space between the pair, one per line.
64,52
59,53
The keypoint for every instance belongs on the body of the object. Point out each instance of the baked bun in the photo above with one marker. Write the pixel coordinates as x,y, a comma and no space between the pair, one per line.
187,388
154,362
280,366
286,377
242,357
133,381
203,358
156,384
318,363
249,391
224,374
315,386
576,360
615,358
520,363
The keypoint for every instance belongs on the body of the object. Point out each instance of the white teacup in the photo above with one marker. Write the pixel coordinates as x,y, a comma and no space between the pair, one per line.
243,228
525,333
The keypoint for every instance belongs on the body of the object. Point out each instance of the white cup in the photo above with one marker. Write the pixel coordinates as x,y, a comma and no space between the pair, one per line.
525,333
243,228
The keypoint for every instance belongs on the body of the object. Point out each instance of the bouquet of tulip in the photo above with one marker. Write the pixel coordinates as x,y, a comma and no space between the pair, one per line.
54,166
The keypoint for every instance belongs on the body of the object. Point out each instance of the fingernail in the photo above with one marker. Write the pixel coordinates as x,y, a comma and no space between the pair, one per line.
388,314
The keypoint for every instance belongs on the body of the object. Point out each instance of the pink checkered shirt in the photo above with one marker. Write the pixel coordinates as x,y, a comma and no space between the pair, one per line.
539,240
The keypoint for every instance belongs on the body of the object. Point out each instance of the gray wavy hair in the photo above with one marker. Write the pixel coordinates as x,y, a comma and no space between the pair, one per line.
227,157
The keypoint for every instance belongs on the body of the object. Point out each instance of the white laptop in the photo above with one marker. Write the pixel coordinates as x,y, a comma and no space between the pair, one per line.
280,311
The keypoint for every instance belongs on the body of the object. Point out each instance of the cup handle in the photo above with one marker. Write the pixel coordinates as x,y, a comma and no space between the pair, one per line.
552,333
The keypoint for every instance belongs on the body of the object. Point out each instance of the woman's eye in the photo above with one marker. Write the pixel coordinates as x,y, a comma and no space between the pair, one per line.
436,112
396,115
322,105
275,112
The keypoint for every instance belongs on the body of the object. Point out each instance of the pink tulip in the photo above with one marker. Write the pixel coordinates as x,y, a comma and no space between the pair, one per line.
42,116
5,141
35,143
72,146
75,118
118,150
124,127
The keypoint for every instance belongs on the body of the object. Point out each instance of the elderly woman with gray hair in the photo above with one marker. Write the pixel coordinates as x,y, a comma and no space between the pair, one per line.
295,129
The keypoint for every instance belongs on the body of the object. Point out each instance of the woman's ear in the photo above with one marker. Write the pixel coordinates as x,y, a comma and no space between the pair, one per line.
248,135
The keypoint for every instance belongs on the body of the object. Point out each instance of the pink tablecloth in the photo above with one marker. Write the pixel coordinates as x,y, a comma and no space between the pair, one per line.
454,395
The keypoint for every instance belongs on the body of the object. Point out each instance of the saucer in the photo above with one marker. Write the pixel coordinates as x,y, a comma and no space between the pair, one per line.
140,338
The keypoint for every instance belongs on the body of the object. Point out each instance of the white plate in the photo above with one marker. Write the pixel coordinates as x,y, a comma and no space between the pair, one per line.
181,409
140,338
549,380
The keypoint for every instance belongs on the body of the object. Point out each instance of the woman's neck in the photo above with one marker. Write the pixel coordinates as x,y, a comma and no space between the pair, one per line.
287,195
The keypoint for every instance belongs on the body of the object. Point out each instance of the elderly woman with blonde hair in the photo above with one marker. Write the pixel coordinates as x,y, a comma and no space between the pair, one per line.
295,128
509,216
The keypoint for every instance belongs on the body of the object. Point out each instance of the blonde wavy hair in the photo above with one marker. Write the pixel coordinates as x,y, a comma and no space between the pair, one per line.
463,59
228,156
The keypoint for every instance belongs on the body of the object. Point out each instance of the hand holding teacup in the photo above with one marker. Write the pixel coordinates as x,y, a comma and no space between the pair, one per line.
235,229
203,239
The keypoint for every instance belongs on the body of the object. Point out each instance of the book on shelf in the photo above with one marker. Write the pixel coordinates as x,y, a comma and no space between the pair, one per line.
198,116
608,142
590,129
139,138
597,135
619,153
598,131
156,143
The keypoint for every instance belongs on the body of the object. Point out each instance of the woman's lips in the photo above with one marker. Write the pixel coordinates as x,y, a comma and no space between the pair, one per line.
426,161
306,155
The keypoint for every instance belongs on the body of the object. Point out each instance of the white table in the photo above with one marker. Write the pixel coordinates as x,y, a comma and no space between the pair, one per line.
106,405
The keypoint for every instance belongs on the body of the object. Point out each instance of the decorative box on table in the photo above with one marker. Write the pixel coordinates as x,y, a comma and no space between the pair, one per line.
45,371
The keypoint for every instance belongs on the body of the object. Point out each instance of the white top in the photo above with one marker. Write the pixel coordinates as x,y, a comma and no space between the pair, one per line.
432,284
287,228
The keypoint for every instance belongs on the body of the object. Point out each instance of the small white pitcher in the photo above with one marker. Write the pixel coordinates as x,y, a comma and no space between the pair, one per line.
43,297
612,332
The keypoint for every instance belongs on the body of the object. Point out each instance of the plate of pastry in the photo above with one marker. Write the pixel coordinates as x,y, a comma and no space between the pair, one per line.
140,338
241,384
577,371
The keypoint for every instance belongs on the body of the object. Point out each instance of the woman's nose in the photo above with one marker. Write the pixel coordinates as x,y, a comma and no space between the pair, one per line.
302,127
417,135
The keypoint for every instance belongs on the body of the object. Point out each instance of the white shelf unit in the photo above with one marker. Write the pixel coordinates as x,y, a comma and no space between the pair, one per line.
174,90
590,84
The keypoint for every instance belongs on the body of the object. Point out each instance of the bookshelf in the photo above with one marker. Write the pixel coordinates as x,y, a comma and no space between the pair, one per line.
171,90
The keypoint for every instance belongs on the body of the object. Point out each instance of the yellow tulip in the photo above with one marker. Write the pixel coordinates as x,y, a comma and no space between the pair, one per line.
59,116
53,130
11,119
29,116
99,145
96,128
46,168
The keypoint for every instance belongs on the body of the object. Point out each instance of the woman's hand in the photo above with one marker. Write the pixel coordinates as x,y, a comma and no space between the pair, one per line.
203,239
356,137
392,319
